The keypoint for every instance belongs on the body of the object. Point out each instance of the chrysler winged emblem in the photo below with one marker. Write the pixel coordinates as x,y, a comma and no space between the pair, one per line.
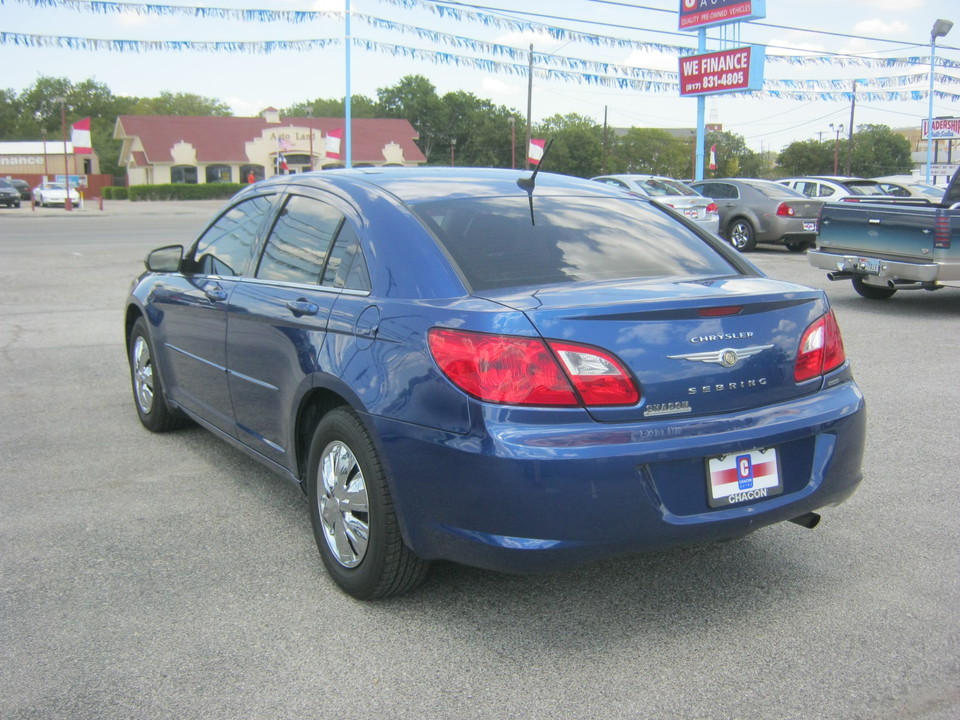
728,357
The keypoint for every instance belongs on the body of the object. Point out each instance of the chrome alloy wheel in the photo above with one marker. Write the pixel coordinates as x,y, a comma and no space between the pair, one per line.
343,504
143,375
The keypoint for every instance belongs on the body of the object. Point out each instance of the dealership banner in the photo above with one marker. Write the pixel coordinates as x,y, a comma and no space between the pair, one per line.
943,129
735,70
696,14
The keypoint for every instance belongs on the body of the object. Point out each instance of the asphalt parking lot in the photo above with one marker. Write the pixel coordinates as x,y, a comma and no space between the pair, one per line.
169,576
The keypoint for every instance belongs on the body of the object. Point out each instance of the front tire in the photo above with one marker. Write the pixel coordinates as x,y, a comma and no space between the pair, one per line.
742,235
872,292
351,510
155,415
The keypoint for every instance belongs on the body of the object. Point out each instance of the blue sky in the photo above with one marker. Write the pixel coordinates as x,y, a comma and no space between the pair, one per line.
250,82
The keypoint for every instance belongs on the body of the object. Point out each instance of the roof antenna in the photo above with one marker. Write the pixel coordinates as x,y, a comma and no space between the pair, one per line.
528,183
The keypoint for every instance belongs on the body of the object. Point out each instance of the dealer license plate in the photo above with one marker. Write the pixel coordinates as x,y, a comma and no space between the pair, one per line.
742,477
809,227
691,213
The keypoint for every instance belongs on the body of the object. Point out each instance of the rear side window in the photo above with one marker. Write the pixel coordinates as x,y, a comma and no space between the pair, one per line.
226,248
496,243
346,267
298,244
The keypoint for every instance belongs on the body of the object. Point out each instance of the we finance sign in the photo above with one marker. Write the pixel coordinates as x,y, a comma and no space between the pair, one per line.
696,14
735,70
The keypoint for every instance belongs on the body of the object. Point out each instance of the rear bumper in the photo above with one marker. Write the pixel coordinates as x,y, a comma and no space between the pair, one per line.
885,269
518,499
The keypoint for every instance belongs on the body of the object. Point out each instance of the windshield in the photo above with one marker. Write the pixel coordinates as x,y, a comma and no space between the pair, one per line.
494,244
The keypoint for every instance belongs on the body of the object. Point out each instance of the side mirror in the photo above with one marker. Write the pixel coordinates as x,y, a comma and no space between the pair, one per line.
165,259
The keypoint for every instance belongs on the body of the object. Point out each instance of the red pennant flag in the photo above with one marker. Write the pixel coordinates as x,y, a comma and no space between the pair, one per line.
80,137
535,152
333,143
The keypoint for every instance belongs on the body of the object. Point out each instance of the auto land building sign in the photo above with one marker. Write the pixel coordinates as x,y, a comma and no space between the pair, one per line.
736,70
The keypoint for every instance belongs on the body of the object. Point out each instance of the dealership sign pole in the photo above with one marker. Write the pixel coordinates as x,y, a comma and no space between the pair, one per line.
734,70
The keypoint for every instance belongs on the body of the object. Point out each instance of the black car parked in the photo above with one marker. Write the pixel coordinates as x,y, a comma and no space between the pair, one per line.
9,195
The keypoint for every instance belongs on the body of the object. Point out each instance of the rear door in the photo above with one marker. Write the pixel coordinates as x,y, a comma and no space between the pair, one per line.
278,320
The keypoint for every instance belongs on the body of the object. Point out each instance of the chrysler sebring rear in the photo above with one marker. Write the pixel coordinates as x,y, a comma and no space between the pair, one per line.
510,373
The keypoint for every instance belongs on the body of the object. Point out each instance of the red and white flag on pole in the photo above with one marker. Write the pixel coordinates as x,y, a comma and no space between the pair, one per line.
535,153
713,157
333,143
80,137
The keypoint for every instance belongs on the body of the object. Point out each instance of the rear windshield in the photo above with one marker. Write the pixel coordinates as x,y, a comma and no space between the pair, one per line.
571,239
775,190
660,187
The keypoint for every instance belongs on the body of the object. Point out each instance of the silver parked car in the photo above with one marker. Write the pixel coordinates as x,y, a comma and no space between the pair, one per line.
760,211
671,193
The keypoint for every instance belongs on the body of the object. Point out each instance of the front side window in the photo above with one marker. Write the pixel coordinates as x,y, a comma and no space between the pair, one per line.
226,248
297,247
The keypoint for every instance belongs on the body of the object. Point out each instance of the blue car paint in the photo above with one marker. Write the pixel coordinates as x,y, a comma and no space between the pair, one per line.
508,488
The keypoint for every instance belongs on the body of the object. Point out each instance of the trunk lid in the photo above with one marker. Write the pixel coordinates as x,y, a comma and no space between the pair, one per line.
696,347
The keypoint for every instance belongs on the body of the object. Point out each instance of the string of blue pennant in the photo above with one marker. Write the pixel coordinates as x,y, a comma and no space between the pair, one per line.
804,90
461,42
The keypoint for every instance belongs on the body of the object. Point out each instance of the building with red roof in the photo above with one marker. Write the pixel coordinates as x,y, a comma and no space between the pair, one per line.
160,149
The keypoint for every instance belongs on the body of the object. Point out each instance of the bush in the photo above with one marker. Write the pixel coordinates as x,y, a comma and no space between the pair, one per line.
118,193
178,191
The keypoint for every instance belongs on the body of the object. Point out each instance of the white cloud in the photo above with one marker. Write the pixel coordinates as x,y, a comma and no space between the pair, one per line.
898,6
652,60
876,27
497,88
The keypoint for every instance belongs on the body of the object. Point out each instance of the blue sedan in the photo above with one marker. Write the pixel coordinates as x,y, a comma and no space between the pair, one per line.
517,373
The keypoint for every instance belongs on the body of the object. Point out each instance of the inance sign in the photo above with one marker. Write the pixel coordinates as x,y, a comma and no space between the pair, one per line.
696,14
735,70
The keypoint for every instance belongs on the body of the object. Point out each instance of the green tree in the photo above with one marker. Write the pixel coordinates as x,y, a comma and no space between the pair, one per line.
649,150
415,99
360,107
480,133
577,144
808,157
734,158
877,151
168,103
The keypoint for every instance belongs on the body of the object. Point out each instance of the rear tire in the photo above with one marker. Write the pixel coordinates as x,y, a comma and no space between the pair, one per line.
741,235
797,245
155,415
872,292
351,509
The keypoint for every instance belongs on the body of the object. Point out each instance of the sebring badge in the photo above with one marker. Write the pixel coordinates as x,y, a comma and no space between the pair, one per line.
728,357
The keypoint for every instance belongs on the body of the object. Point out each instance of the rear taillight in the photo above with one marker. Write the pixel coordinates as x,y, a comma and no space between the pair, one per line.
941,232
785,210
821,349
512,370
713,209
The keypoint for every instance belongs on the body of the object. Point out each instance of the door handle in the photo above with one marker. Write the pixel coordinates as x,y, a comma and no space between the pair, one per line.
215,293
302,307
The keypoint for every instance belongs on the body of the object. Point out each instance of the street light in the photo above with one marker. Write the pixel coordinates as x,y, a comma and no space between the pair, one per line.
940,29
836,146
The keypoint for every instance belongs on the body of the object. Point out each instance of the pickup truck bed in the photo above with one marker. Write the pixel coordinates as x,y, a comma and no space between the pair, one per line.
883,248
